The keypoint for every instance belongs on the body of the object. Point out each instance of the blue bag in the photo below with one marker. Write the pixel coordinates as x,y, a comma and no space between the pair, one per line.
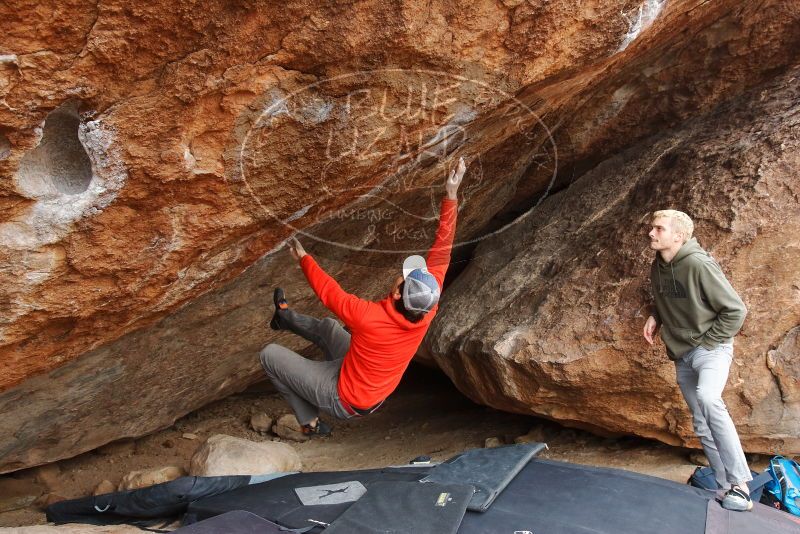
784,488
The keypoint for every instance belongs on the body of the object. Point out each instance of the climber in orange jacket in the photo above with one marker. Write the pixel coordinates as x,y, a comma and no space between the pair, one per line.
364,366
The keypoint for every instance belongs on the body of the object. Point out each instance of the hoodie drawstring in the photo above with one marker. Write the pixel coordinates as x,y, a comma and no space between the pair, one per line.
674,286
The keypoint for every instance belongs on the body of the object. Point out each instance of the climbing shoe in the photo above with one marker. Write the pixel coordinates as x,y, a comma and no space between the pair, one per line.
320,430
279,298
737,499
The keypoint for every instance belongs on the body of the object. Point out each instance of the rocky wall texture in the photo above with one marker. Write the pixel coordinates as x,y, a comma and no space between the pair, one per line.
561,333
153,159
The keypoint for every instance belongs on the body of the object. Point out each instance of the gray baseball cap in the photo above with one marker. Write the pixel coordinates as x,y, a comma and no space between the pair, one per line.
421,290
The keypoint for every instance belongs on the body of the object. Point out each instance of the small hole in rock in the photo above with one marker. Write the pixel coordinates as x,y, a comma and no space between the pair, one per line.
59,162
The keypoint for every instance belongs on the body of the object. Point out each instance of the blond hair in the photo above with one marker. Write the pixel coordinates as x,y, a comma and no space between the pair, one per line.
680,222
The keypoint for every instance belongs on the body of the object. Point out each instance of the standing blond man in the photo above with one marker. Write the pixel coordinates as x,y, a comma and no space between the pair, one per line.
699,313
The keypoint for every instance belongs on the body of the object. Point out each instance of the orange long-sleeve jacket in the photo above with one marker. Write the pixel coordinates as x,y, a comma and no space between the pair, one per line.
382,340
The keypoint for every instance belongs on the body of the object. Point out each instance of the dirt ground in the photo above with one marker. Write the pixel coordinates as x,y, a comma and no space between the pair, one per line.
425,416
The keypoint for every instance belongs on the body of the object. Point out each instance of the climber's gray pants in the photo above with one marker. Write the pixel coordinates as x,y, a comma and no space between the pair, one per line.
308,385
702,375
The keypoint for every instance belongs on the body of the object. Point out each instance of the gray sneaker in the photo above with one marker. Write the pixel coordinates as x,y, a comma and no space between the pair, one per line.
737,500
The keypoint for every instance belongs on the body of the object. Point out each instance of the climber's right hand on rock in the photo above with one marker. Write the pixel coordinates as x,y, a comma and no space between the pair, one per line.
454,179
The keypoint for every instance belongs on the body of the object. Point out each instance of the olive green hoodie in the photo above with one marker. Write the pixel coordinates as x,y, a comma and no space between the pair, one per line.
694,302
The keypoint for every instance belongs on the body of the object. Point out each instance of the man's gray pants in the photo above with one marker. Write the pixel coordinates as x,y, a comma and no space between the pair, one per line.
702,375
308,385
